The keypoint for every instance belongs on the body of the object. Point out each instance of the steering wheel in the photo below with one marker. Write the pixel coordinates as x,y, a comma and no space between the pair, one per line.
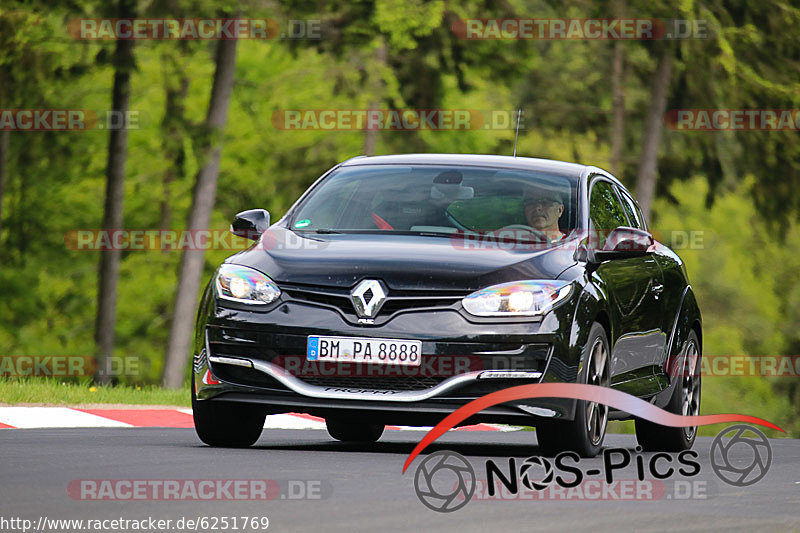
539,236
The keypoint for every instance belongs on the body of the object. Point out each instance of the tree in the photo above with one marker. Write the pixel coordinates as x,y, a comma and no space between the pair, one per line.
618,96
105,321
618,104
5,135
176,86
371,134
191,266
653,128
748,61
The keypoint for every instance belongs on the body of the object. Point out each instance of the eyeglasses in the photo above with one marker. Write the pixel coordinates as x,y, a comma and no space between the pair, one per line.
540,202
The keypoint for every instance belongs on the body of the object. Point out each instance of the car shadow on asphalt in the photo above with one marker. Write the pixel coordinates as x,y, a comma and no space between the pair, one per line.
467,449
389,444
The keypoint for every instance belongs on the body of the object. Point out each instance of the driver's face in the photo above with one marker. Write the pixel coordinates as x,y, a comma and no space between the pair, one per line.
543,212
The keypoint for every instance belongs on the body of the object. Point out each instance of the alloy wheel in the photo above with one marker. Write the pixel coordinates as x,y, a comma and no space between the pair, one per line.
598,374
690,385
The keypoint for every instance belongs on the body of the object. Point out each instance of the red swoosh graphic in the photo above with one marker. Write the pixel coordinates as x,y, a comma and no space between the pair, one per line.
592,393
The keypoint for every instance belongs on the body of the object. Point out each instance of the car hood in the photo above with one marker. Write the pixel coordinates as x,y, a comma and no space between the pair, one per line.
403,262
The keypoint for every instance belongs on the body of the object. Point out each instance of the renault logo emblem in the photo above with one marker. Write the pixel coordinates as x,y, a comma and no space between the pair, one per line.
368,297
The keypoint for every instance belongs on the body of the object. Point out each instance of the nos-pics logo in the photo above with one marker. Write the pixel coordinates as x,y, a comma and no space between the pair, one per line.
445,481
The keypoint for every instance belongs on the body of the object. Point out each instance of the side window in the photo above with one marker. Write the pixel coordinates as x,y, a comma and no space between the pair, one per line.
605,212
632,210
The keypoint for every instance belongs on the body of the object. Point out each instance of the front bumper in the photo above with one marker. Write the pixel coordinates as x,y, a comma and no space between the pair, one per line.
258,356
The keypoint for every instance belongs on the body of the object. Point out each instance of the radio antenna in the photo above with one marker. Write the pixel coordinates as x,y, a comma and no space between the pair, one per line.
516,135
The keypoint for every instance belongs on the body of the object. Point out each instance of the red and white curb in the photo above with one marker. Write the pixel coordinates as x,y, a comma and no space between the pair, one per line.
70,417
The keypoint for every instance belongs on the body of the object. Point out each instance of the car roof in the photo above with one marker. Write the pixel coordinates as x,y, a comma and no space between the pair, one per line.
504,161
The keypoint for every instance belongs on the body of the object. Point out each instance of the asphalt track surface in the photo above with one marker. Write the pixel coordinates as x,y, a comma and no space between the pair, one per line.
363,487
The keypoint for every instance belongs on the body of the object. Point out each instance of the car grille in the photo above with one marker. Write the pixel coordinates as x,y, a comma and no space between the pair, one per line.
375,383
395,302
200,360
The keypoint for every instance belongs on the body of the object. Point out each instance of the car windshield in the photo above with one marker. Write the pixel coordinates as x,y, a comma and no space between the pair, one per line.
441,200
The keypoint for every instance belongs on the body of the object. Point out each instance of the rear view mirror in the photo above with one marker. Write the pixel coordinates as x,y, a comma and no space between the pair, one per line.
624,242
250,224
625,239
447,185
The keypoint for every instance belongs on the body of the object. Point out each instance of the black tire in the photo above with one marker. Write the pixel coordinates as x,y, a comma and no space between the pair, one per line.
685,400
227,425
348,431
579,435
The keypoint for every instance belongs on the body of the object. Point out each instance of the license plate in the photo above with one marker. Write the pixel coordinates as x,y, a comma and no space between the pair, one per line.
364,350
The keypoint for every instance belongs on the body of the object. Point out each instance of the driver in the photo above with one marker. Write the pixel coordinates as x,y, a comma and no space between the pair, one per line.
543,208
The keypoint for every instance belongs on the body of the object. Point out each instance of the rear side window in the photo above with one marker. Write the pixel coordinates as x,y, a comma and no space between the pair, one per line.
631,209
605,211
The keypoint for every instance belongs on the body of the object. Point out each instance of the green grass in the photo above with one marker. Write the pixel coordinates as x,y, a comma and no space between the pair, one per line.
57,392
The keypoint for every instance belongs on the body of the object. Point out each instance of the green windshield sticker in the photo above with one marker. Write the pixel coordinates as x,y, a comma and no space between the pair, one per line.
302,223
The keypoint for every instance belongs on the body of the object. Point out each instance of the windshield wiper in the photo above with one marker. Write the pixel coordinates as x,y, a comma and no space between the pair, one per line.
423,233
431,234
325,231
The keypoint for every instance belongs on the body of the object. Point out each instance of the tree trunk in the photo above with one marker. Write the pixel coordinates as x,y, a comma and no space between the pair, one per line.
191,267
618,89
5,135
648,164
371,134
115,190
173,127
619,10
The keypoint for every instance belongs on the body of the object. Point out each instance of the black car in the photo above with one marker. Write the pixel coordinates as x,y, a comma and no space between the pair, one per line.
398,288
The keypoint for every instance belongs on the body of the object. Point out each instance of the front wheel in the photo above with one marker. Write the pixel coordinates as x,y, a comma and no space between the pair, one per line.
685,400
583,435
227,425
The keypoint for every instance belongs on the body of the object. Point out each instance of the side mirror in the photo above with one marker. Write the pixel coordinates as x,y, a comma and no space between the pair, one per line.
250,224
624,242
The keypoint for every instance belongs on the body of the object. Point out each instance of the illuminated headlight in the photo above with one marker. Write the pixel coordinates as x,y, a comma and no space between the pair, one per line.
243,284
518,298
